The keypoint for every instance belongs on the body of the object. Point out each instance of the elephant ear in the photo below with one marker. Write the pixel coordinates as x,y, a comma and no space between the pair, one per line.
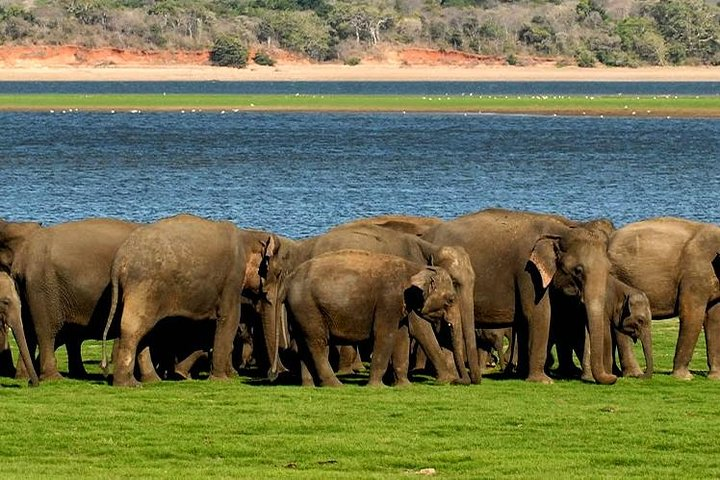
12,235
422,285
544,258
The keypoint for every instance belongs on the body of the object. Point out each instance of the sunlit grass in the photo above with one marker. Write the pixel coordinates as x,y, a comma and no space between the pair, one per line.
502,428
659,105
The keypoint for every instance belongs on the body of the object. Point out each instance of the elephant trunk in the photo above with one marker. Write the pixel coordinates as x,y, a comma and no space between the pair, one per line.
467,322
646,339
271,318
597,327
458,344
16,325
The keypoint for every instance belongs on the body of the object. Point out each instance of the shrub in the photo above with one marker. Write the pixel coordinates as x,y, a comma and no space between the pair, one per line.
229,52
264,59
512,59
585,58
352,61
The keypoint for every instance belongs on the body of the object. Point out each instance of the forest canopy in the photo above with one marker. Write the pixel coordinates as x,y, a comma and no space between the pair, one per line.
586,32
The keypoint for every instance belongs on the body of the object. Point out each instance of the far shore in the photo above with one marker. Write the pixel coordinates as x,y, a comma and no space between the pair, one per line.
362,72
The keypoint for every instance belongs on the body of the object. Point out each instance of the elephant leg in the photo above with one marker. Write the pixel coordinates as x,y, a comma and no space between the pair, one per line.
346,360
692,317
305,376
420,363
76,369
628,362
134,325
483,356
423,332
320,353
48,362
383,346
712,341
538,320
401,357
227,327
182,368
147,369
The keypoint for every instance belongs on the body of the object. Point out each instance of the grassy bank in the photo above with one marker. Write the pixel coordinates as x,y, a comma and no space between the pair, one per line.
690,106
659,428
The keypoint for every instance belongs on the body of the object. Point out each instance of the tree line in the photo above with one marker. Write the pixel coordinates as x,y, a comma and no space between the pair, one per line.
586,32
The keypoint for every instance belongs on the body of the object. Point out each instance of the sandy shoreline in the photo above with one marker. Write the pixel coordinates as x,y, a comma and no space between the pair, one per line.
363,72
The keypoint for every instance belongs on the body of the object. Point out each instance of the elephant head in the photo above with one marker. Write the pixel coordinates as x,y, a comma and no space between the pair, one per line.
432,296
635,321
456,262
10,316
576,262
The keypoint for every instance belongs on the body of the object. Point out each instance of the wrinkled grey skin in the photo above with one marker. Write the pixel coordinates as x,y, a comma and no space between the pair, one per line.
184,266
676,262
353,295
63,277
516,256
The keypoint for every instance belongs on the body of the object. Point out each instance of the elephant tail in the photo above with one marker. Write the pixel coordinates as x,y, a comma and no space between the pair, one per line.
113,308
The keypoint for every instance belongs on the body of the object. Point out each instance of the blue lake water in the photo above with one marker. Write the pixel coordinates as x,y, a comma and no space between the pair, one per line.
299,173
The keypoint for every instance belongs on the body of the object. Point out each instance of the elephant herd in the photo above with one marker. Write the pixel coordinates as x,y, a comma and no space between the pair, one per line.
397,291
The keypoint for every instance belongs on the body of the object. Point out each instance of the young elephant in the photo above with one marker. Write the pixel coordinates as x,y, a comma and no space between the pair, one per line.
350,296
10,316
627,312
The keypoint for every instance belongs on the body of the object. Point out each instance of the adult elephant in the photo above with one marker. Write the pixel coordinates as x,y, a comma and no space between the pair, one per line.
516,256
184,266
63,277
676,262
377,239
11,316
413,225
355,295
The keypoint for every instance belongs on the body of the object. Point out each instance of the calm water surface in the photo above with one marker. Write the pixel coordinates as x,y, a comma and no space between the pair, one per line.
300,173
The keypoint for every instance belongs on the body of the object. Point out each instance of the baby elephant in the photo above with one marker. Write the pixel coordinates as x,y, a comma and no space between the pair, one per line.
350,296
10,316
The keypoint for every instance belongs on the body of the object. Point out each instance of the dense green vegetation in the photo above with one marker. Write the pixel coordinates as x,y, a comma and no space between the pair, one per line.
704,106
658,428
613,32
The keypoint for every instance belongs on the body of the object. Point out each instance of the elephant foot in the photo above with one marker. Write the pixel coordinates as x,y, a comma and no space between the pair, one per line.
182,374
128,382
587,377
540,378
402,383
682,374
447,379
150,378
331,382
633,373
714,375
51,376
223,377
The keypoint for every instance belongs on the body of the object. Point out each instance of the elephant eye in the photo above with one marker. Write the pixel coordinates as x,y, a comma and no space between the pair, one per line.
578,270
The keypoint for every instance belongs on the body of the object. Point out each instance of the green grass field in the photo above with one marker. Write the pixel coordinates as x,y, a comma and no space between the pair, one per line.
658,428
700,106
